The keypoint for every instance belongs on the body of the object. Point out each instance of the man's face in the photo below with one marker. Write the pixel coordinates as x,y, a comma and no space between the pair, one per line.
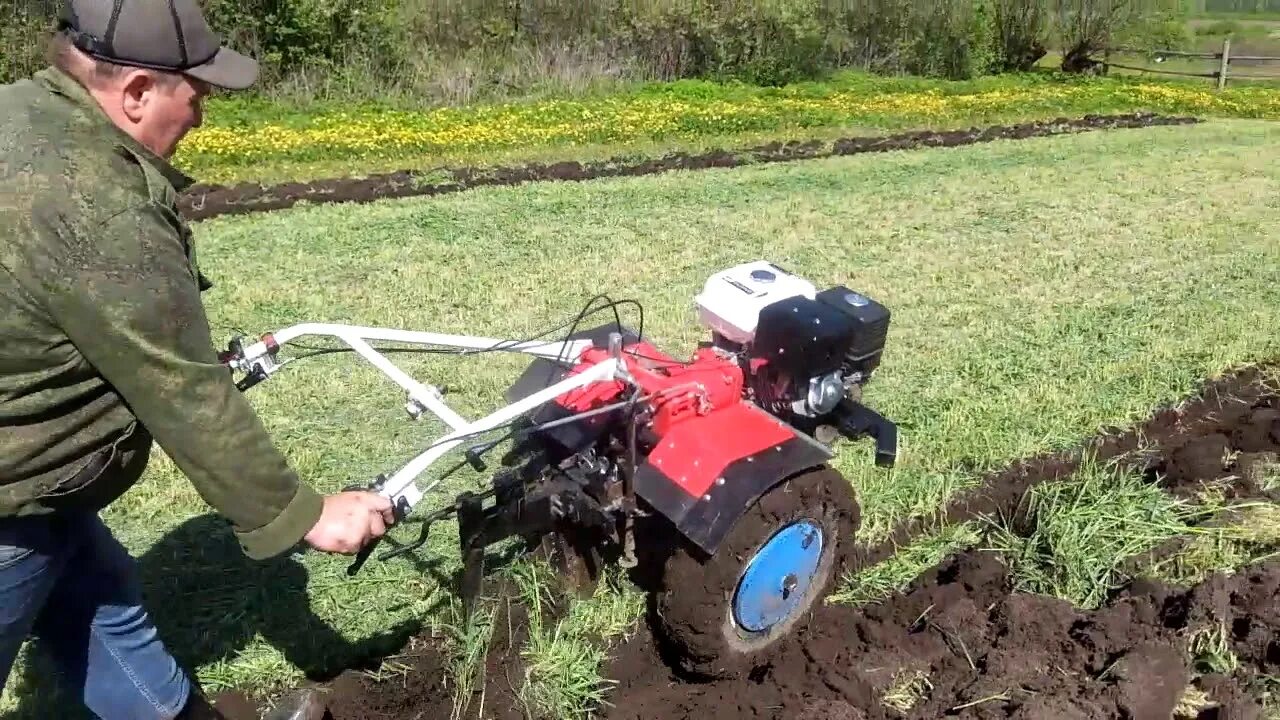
159,110
180,111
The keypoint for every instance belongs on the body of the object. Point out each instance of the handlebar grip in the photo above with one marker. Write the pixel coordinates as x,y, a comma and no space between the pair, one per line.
252,378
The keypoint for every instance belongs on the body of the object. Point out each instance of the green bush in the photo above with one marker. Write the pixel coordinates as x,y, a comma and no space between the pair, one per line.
780,42
942,38
458,51
1021,33
291,35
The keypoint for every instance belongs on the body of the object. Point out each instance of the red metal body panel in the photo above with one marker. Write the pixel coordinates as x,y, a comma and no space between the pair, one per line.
695,453
698,411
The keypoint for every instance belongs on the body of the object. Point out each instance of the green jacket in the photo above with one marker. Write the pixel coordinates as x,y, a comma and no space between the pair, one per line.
104,342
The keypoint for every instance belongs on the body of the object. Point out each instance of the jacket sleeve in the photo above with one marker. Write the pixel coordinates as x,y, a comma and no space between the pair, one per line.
126,295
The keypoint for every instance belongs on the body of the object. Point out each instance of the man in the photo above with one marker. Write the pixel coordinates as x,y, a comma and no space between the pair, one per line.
105,348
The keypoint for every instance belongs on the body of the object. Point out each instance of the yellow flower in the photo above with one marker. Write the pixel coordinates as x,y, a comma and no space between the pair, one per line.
391,133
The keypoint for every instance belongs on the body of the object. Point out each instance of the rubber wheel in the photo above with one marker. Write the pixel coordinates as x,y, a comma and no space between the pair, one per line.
723,616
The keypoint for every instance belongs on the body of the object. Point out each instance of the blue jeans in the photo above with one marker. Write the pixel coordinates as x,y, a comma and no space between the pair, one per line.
67,580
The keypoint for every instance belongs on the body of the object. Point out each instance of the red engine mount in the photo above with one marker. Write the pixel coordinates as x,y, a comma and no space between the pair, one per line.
698,412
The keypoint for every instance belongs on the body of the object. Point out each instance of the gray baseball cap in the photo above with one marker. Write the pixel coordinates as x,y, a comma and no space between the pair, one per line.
169,35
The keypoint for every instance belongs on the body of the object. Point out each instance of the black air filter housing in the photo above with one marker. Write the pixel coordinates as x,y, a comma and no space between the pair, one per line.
804,337
870,327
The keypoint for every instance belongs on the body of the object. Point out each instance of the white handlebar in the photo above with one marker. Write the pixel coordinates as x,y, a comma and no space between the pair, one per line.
402,487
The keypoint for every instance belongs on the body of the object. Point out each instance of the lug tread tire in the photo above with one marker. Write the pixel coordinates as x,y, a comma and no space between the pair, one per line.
694,605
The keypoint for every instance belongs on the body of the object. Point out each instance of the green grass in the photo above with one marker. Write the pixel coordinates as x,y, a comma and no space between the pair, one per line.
563,655
1081,538
1237,537
905,565
253,140
1211,652
467,644
1040,290
565,640
1082,530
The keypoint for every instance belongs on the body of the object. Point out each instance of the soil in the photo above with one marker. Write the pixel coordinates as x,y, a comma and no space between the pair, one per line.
417,683
204,201
425,690
986,653
980,650
421,692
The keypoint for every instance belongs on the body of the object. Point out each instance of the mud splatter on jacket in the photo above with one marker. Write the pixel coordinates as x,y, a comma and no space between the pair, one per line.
104,343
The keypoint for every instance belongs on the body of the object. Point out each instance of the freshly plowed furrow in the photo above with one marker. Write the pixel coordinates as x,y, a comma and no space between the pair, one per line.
200,202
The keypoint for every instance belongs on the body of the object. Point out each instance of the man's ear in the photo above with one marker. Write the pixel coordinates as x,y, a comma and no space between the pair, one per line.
136,91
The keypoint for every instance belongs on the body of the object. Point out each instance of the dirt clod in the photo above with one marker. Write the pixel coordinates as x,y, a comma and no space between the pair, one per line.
1026,655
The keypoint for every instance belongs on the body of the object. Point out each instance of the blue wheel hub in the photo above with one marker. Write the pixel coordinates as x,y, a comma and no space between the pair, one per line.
777,578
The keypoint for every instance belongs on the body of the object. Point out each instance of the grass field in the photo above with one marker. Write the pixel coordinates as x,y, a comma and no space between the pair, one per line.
261,142
1040,290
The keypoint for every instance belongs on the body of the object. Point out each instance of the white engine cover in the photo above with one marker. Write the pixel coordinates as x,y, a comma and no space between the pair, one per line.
731,300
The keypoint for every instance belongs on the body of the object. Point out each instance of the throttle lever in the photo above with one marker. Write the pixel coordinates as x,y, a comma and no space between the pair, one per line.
253,377
398,511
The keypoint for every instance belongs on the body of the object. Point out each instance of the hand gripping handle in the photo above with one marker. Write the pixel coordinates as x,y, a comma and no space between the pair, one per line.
398,512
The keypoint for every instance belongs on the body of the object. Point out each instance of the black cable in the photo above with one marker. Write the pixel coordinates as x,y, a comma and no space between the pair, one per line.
583,313
664,361
573,329
639,311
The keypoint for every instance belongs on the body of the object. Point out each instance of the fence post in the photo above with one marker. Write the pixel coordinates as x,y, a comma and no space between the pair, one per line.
1226,60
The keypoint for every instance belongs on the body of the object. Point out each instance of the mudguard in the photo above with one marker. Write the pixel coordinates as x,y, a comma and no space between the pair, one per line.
707,471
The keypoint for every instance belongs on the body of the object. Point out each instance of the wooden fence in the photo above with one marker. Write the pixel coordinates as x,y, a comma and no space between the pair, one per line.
1223,60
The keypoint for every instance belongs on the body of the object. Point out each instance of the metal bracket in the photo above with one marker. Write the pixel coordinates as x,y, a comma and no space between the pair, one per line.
415,408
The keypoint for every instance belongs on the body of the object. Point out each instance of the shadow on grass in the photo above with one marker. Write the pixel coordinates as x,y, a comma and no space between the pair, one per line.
210,603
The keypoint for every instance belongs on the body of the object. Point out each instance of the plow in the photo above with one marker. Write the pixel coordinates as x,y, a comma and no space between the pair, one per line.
714,465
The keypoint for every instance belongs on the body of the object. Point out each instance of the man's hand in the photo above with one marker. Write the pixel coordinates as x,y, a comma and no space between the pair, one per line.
350,520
